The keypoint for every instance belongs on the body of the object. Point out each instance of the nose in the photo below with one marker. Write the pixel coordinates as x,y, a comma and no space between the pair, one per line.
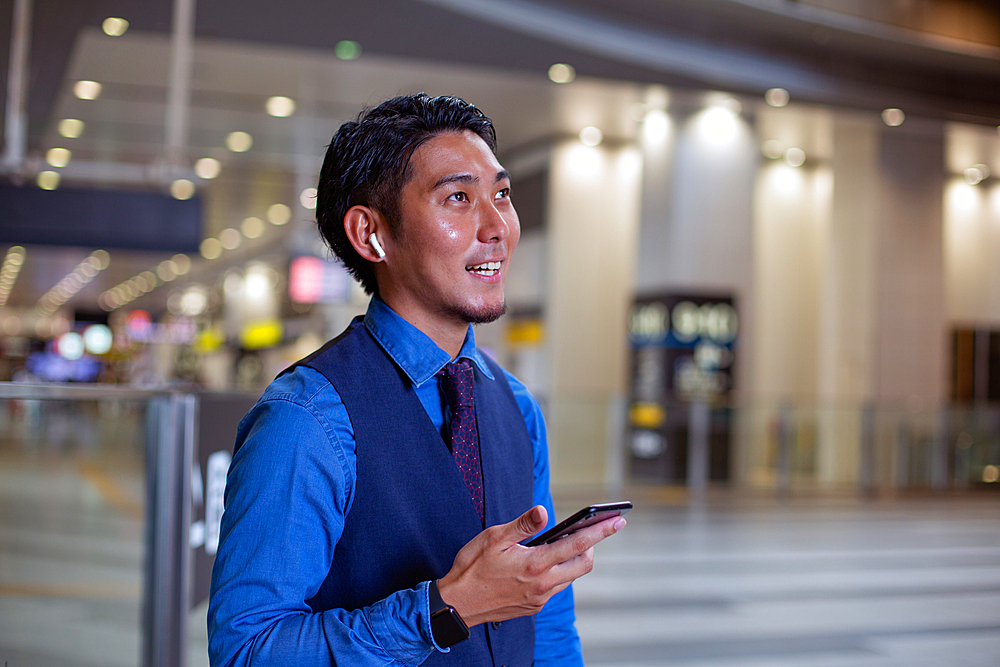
496,225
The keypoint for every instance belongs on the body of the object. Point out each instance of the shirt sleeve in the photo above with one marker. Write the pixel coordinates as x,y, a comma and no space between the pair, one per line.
556,638
287,494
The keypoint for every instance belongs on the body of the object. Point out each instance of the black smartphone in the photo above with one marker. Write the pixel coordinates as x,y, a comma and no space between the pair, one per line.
588,516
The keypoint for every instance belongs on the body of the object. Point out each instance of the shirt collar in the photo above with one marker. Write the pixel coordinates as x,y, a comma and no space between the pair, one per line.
412,349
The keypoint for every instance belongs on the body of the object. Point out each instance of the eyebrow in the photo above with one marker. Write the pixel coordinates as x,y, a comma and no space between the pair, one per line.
468,178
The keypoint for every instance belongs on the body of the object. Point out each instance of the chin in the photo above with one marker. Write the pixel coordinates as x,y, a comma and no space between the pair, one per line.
481,315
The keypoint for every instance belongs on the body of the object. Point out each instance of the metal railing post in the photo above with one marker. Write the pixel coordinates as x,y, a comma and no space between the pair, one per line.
785,444
699,427
166,600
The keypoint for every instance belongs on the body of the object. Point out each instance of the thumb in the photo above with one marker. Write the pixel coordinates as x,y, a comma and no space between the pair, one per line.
530,522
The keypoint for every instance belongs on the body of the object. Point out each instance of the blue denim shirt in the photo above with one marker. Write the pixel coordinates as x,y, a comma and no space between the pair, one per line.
290,486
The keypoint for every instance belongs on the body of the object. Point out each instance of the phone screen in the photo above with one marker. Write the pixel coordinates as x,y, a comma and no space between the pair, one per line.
587,516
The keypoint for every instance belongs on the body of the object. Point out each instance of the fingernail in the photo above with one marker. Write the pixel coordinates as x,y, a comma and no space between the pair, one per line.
619,524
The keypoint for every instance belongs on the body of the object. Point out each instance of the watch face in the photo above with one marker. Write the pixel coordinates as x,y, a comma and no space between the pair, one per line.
448,627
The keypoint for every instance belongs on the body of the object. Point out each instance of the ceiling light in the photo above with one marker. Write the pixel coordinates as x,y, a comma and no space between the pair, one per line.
347,50
280,107
48,180
102,257
87,90
772,149
655,126
207,168
718,124
58,157
11,267
795,157
308,198
561,73
974,175
182,263
893,117
210,248
194,301
114,27
166,270
252,227
229,238
591,136
71,128
278,214
776,97
239,142
182,189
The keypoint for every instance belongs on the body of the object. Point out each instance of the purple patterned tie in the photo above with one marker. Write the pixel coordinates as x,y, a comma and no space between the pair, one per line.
456,380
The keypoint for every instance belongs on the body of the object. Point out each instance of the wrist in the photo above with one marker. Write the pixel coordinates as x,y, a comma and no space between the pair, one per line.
447,625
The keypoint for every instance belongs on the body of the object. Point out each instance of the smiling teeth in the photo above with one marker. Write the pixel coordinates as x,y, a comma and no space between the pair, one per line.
486,268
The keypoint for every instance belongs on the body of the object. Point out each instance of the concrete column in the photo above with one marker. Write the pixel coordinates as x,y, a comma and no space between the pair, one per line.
910,317
593,217
848,299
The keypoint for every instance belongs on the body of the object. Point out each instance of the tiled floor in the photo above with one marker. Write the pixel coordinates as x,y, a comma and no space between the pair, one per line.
738,582
815,583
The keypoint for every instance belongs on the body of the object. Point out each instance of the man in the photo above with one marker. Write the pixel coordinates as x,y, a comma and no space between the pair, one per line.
363,479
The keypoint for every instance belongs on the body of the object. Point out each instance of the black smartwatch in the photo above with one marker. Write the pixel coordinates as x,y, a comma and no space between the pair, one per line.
447,626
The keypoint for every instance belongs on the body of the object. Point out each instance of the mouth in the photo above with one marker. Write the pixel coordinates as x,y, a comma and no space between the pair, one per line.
484,269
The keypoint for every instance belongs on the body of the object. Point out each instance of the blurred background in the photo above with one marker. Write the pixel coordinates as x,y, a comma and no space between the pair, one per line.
756,292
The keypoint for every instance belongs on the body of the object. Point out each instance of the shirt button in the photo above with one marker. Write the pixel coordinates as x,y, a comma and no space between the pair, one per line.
496,626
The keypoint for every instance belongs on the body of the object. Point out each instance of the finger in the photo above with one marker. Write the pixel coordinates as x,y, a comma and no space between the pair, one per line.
584,539
569,571
528,523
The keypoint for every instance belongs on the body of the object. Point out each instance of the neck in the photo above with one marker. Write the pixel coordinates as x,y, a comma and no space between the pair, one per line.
447,332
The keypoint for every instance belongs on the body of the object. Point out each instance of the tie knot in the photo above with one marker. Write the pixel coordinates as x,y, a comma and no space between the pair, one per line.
457,381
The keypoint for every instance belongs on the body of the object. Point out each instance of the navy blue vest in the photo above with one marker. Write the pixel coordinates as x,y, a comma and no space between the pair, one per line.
412,511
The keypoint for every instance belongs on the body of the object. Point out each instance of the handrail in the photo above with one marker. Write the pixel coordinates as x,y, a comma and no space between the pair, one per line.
90,391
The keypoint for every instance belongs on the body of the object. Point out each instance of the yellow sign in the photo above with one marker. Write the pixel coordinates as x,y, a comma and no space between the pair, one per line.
522,333
647,415
265,333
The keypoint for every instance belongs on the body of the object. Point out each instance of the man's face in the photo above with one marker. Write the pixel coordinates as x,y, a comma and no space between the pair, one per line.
457,231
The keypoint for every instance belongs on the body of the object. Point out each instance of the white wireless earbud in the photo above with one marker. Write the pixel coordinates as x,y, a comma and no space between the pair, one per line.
375,244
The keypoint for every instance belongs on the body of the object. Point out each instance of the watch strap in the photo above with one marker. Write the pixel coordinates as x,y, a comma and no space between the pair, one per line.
447,625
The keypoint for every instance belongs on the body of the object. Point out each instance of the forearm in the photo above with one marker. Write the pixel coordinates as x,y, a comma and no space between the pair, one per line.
393,631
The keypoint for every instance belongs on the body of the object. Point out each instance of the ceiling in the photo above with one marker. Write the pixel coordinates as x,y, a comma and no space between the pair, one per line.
493,52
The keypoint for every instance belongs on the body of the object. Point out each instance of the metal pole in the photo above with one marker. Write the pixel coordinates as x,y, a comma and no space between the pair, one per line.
866,460
17,87
170,448
939,452
785,438
179,91
699,426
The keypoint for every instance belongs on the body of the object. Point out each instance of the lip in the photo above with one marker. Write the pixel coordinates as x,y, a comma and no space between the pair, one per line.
487,278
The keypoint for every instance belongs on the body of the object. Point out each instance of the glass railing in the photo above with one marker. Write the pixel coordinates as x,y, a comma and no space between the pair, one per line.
808,448
106,517
110,498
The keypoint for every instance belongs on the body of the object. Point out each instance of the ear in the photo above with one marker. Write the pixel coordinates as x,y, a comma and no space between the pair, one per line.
360,222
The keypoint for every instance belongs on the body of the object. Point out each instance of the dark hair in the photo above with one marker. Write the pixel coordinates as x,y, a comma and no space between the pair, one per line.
368,163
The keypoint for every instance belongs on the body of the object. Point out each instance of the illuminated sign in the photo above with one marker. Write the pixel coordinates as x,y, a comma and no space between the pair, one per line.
315,280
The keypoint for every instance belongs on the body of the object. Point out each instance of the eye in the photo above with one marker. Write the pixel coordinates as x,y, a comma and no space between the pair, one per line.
504,193
458,196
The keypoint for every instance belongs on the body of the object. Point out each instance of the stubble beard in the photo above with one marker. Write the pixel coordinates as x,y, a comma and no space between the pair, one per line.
483,315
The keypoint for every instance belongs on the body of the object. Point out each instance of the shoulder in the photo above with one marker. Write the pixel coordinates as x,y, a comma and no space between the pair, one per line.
298,429
531,412
298,401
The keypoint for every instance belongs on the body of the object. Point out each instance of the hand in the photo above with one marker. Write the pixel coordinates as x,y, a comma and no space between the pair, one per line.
494,578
